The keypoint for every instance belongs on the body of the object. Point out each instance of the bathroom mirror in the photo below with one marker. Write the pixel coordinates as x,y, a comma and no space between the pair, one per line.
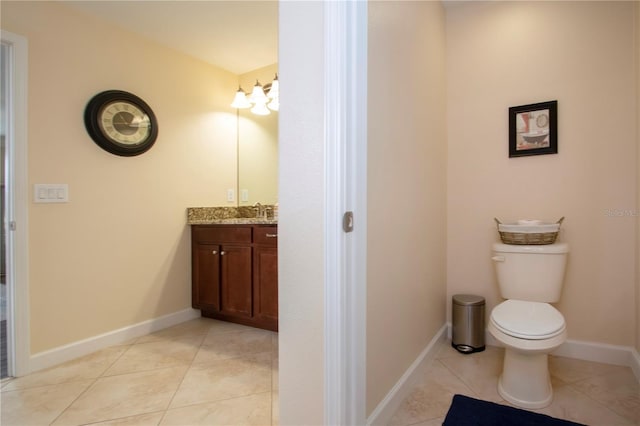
257,147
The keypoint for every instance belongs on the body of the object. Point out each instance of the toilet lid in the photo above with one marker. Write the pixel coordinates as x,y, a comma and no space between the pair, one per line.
528,320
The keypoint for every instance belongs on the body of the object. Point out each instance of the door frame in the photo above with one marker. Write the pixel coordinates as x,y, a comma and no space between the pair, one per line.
16,194
345,111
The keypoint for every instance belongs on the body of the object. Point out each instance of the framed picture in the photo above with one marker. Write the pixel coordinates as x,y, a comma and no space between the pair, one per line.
533,129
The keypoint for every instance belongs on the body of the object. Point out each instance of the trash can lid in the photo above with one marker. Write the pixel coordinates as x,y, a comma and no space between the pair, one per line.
468,300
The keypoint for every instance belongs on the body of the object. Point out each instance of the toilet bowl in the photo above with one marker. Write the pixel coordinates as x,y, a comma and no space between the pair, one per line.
529,331
530,278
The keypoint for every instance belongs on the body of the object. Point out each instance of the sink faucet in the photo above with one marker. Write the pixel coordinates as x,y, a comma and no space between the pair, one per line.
260,210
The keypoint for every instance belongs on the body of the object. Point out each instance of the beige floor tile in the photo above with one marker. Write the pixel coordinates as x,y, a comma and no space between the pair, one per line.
571,370
157,354
248,410
125,395
275,374
217,327
40,405
479,371
224,379
5,382
87,367
431,398
433,422
275,363
152,419
198,326
569,404
231,345
619,391
128,342
447,351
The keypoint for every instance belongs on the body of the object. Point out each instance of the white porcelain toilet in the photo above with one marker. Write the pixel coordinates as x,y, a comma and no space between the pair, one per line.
529,277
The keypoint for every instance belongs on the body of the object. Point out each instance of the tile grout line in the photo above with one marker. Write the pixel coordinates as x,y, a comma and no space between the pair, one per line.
599,403
186,371
95,380
122,418
461,378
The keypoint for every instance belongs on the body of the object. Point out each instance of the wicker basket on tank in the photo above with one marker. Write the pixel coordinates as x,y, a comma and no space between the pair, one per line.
528,235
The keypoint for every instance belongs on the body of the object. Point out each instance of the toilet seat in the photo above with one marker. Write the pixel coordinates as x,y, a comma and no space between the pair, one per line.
528,320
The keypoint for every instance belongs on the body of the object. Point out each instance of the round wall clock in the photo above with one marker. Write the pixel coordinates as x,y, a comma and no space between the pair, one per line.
121,123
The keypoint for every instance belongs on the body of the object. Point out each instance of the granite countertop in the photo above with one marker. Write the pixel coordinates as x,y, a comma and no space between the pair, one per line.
244,215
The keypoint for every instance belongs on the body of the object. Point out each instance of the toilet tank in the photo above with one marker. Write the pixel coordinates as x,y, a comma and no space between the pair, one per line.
534,273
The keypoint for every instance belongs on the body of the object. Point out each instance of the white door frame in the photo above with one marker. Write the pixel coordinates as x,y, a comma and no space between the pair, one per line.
17,215
345,72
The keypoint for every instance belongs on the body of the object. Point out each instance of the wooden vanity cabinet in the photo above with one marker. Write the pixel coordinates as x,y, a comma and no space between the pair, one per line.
265,275
235,273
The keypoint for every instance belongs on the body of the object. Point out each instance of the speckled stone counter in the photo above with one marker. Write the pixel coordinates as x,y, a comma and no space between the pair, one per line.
244,215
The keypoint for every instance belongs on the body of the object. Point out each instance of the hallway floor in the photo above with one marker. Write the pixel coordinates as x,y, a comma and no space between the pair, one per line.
200,372
211,372
584,392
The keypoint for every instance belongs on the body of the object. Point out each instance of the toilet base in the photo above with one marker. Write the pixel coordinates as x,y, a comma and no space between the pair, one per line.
525,380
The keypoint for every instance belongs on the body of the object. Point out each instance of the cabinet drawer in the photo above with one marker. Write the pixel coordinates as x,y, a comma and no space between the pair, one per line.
221,234
265,235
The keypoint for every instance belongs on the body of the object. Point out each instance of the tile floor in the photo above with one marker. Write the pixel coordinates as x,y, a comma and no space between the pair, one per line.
584,392
200,372
211,372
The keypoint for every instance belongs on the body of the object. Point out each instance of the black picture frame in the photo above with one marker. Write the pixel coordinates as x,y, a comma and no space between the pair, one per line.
533,129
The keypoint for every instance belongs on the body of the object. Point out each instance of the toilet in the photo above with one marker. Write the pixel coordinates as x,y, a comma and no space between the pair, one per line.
530,277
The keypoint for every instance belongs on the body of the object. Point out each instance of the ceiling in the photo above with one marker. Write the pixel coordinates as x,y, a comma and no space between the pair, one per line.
239,36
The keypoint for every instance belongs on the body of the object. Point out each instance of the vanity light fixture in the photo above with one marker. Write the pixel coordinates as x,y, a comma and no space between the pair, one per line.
274,95
260,98
241,101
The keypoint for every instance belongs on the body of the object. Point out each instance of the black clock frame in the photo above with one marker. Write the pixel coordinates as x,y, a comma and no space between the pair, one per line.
91,122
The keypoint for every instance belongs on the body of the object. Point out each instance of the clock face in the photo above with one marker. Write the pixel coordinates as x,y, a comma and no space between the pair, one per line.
120,123
124,123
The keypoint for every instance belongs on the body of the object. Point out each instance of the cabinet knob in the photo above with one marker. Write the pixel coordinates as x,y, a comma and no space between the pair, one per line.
214,252
222,253
271,235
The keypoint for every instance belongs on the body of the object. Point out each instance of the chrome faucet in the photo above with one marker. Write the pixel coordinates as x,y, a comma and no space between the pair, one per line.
260,210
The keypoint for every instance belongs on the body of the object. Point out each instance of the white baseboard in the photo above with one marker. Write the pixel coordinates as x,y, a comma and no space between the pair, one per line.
587,351
388,406
597,352
80,348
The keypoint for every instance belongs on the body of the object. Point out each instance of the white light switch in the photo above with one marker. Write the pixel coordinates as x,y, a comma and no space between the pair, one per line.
50,193
244,195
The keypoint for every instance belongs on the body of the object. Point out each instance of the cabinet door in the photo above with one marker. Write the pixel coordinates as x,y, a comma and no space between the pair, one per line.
265,278
235,280
205,281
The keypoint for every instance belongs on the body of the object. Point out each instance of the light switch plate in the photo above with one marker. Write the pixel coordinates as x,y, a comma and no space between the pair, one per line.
50,193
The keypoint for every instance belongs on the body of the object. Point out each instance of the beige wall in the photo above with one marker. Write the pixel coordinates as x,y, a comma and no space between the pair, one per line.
258,141
406,209
502,54
118,253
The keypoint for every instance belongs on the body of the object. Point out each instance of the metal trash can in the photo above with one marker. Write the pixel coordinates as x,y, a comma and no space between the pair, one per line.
467,317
